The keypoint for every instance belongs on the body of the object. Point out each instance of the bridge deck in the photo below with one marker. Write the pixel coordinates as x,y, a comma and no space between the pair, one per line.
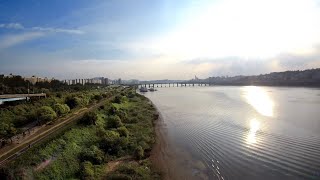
7,96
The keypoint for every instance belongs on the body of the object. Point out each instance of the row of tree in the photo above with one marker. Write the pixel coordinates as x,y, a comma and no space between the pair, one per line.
16,84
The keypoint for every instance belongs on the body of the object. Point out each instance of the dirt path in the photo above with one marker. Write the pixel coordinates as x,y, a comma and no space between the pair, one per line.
112,165
43,165
11,151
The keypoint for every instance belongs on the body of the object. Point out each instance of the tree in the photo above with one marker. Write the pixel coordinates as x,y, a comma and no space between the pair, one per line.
111,142
89,118
114,122
61,109
46,113
7,130
74,102
138,153
92,154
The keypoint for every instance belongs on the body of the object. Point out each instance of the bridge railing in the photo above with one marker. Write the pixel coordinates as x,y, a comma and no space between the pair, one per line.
7,96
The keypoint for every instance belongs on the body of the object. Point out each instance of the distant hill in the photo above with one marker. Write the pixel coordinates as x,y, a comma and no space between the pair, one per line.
310,77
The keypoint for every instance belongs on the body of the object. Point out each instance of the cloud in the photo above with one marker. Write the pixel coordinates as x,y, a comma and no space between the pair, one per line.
11,40
58,30
28,34
12,26
163,67
41,29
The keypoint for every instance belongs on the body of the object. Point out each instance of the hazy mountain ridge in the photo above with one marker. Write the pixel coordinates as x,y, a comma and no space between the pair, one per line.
309,77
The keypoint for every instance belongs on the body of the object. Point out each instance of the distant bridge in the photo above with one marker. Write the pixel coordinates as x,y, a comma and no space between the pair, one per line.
176,84
7,96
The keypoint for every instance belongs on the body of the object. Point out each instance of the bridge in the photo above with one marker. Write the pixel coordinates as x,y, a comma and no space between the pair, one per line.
176,84
8,96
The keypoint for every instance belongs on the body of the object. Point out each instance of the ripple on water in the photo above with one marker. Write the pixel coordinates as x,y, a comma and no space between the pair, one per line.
213,124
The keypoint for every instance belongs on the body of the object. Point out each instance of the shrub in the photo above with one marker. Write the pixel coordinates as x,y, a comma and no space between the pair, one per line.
111,142
117,99
72,102
87,171
92,154
118,176
112,110
89,118
7,130
139,153
61,109
114,122
123,131
131,94
46,114
97,97
59,95
122,114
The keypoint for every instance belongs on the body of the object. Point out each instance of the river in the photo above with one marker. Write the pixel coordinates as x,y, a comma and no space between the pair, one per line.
242,132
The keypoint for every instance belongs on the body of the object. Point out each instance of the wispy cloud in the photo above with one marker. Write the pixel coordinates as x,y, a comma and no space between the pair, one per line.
42,29
11,40
12,26
58,30
28,34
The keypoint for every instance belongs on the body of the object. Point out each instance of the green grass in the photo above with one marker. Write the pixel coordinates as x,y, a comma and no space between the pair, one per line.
65,151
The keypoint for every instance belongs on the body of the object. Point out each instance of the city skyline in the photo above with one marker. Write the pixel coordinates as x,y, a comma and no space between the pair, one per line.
158,40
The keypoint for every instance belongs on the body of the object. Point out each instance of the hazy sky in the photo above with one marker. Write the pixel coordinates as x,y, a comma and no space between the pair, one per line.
157,39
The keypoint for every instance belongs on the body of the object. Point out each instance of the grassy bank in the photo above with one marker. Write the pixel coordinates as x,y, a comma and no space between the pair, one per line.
96,147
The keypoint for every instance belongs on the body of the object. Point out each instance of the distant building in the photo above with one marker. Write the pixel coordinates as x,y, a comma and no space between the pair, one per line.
117,81
97,80
35,79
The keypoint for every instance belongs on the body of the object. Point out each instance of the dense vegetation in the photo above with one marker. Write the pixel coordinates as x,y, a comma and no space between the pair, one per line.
15,84
15,117
121,128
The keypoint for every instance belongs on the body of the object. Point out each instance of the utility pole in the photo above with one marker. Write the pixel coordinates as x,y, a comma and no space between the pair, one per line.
28,88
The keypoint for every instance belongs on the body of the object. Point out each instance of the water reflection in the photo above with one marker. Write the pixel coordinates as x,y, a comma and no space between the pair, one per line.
260,100
254,127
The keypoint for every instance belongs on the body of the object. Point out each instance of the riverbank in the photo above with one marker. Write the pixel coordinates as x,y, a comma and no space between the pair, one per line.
112,142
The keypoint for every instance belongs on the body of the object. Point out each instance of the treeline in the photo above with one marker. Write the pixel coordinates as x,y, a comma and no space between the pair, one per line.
310,77
122,128
17,85
38,112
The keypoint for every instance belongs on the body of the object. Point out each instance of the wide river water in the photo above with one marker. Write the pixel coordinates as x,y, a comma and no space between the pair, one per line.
242,132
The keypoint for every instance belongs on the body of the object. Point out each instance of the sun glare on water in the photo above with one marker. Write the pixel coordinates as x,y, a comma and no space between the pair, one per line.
254,127
258,98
